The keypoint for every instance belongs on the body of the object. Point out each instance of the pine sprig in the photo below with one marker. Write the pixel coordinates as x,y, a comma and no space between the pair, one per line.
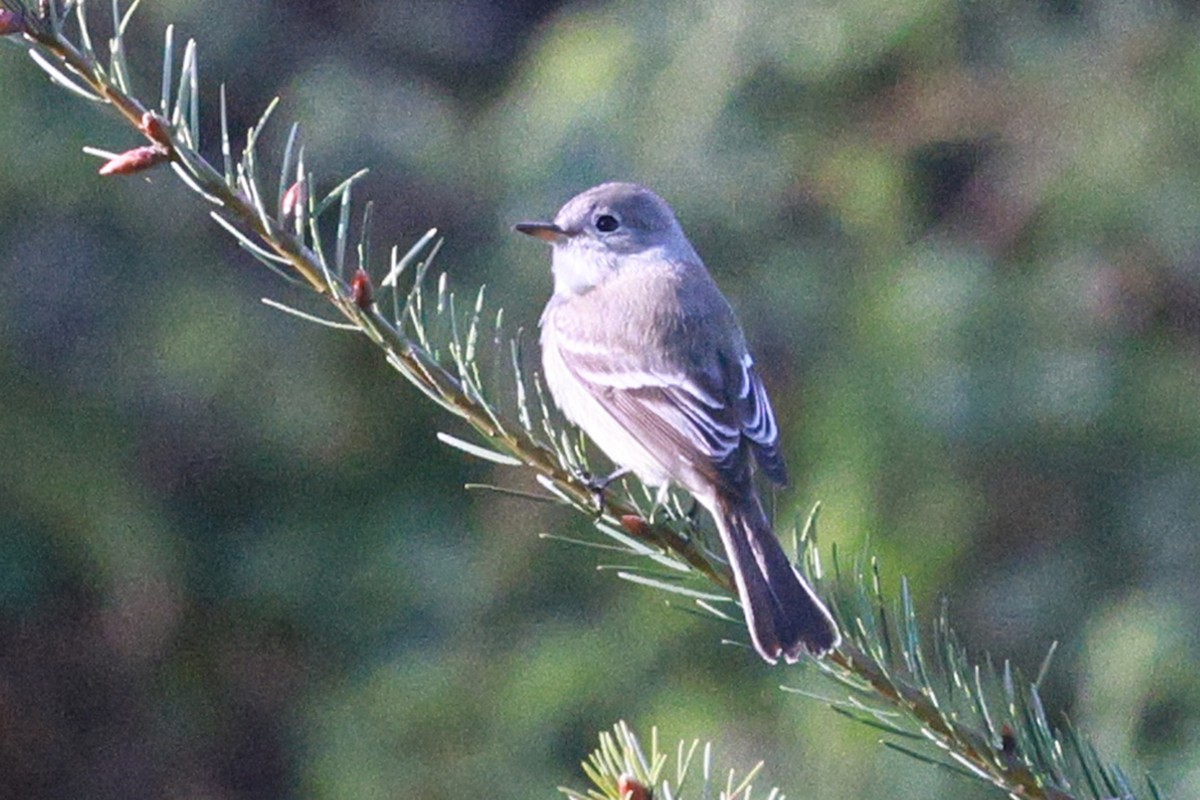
621,769
931,702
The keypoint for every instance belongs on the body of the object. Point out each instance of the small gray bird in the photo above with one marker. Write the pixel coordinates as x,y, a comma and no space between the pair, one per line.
643,352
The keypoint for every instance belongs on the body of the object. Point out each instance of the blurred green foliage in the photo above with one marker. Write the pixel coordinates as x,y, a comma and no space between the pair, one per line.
963,239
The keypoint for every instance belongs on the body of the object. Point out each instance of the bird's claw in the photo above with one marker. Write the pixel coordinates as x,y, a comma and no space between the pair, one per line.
597,486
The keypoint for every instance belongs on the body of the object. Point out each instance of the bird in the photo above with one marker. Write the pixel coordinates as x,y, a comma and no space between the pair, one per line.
643,352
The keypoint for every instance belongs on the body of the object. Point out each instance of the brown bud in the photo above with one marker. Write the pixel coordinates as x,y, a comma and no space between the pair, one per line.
361,290
633,789
136,160
1010,754
156,127
10,23
1008,740
635,525
293,199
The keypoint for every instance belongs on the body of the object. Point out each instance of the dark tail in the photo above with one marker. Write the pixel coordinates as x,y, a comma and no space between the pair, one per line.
784,615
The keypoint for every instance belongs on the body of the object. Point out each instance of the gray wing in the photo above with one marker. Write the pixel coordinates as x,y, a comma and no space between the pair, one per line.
711,419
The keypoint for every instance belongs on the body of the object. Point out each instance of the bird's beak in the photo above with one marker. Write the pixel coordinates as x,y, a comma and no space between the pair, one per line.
546,231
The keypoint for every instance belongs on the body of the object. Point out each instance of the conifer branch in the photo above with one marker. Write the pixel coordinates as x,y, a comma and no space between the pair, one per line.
934,703
621,768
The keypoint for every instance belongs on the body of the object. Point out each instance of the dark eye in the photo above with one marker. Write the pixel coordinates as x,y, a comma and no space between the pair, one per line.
607,223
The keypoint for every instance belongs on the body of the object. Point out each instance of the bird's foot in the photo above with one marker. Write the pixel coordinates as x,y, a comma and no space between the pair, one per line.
598,486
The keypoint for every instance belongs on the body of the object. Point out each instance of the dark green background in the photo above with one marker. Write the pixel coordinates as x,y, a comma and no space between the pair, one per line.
963,237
